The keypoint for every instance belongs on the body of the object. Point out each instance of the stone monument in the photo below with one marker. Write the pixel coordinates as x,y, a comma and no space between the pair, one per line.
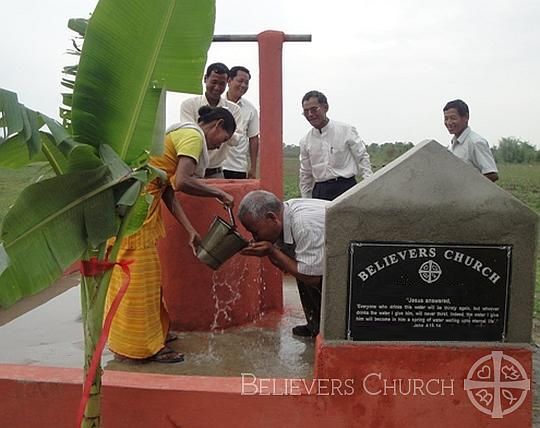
429,249
428,297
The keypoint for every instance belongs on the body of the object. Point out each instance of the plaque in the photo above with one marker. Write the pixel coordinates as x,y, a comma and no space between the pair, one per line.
415,292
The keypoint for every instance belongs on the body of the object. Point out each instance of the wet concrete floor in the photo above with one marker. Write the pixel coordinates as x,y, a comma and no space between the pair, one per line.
51,335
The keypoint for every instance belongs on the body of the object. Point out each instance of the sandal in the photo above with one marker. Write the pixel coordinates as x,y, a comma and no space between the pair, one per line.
168,356
171,337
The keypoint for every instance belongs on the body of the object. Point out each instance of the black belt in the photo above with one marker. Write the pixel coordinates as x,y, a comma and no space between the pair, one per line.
332,180
212,171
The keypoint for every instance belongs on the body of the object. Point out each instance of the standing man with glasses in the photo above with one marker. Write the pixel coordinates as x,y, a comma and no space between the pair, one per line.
331,154
237,164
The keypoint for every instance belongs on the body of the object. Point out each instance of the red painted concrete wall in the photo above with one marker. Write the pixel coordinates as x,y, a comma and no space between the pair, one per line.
199,298
375,367
39,396
48,397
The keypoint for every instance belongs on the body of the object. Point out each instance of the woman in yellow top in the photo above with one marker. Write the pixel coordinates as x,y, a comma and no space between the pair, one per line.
140,326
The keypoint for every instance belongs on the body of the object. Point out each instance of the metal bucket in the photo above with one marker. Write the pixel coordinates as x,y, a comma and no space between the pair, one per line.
220,243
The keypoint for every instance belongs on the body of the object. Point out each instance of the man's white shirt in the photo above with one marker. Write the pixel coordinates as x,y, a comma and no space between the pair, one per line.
303,227
334,151
473,149
189,112
237,157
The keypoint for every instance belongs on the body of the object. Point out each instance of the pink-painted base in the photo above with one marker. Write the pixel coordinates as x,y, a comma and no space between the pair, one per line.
201,299
355,386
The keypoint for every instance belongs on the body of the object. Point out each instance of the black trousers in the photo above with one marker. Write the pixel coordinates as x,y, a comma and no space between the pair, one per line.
227,173
213,172
331,189
310,296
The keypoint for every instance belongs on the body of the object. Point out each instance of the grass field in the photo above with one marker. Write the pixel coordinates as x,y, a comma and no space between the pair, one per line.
522,180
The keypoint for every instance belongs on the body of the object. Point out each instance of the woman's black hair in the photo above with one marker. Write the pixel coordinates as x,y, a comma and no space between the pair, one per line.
208,114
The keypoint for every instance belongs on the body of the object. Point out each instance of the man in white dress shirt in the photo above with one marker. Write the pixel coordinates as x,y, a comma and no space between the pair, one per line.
331,154
291,235
241,160
466,144
215,82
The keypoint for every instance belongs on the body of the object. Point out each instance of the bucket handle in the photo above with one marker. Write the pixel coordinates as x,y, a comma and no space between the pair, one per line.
233,222
231,216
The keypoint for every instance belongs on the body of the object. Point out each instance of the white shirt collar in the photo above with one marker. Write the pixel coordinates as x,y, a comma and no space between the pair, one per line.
462,137
287,230
221,103
324,128
239,102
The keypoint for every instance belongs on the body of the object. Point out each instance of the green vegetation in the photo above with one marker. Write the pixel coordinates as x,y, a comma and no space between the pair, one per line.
523,181
514,150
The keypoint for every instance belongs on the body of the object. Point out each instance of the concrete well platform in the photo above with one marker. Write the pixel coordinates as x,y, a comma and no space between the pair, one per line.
208,389
51,335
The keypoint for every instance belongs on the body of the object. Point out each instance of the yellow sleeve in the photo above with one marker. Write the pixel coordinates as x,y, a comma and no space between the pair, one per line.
187,142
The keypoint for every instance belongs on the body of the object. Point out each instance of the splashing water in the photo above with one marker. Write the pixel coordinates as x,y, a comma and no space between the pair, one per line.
226,291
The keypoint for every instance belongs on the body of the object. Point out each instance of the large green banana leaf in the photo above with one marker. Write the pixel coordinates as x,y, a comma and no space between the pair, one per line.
26,142
134,50
50,226
55,221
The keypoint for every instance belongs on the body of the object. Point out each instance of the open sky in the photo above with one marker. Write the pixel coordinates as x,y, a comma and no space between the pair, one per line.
387,67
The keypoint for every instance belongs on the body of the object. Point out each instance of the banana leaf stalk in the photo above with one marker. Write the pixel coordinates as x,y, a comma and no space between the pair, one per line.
92,315
93,294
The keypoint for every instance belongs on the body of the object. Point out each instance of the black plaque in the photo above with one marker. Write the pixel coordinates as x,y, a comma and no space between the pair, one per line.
403,291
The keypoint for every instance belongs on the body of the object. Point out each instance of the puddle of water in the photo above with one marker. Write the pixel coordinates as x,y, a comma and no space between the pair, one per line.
51,335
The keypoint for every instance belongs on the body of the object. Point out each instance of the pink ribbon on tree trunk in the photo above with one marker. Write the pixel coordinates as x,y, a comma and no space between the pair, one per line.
95,267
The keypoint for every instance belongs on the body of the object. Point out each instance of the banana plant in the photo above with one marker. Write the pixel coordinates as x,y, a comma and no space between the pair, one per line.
133,52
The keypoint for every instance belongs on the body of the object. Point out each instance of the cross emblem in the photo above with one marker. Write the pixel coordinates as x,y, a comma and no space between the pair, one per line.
497,384
430,271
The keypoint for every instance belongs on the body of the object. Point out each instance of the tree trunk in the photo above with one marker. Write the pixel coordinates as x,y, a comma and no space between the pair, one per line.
93,295
92,321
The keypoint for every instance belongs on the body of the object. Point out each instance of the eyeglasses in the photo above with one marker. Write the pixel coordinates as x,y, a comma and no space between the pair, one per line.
312,110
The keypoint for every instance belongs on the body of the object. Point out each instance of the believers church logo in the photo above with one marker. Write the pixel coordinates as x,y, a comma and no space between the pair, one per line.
497,384
430,271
